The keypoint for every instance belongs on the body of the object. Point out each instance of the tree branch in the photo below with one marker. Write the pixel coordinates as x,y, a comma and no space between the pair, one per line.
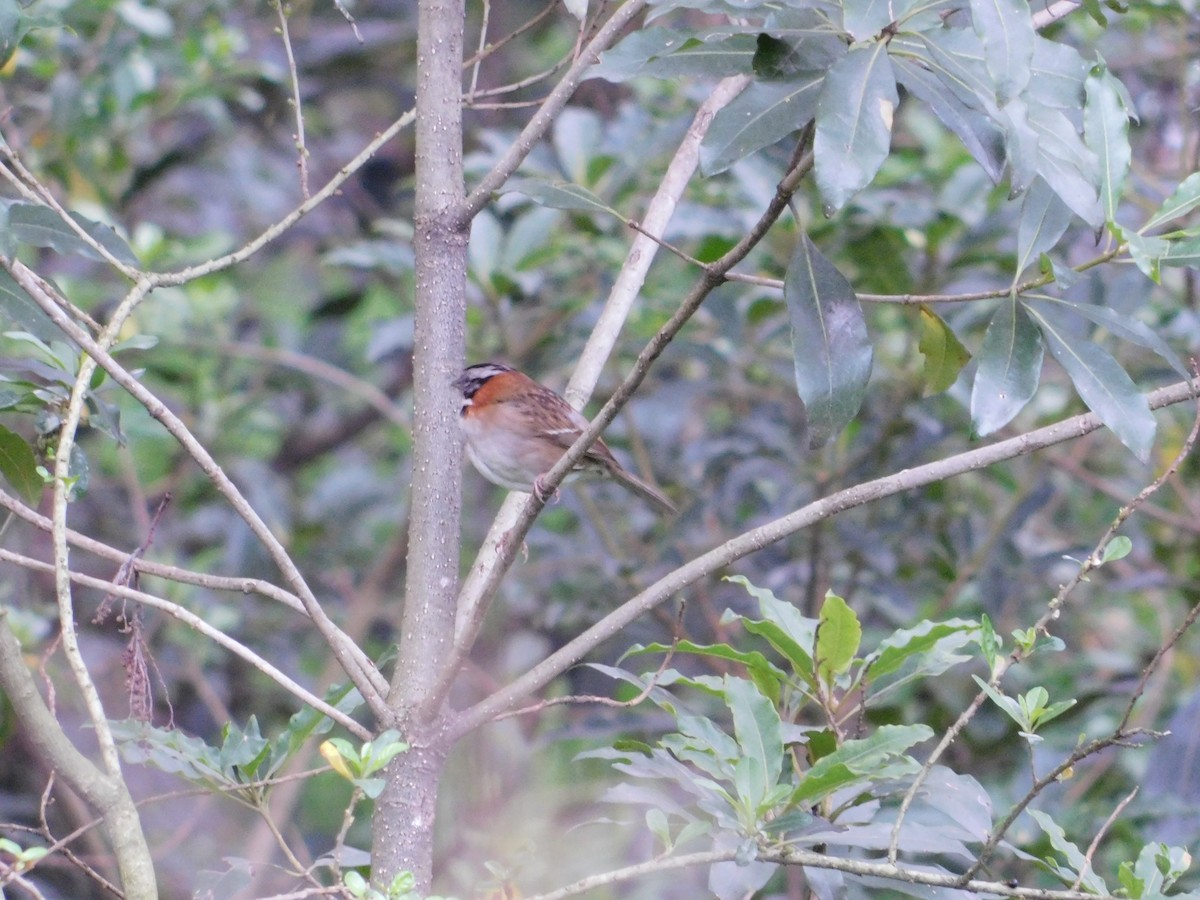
765,535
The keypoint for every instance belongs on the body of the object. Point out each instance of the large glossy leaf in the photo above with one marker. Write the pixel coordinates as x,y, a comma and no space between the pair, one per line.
1006,31
1182,201
1010,365
864,19
43,227
1103,385
955,55
1066,163
1044,218
1106,131
1057,72
763,114
830,345
854,123
1126,328
979,133
1020,145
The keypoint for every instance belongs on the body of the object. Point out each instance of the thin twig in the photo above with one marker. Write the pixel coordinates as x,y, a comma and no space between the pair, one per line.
1095,844
764,535
198,624
1183,390
284,10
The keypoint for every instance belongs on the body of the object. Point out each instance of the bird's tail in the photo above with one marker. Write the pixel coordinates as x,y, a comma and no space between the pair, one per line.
651,495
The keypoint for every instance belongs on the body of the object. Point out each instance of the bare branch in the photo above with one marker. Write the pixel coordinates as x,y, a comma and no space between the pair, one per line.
765,535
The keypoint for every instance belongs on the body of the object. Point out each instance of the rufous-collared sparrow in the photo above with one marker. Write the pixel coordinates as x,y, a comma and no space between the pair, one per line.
517,429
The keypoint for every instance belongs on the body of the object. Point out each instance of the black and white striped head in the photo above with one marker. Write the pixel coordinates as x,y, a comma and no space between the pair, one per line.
476,376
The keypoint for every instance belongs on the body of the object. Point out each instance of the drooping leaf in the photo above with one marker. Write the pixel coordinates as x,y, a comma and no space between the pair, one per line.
830,345
19,466
979,133
1127,328
1066,163
854,123
838,637
1103,385
1010,366
43,227
1106,130
944,353
763,114
1044,219
1006,30
1020,145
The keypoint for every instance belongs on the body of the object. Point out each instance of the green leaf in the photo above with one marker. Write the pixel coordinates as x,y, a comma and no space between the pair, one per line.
768,677
1118,548
19,466
18,310
1184,253
944,353
854,123
1103,385
1182,201
1106,131
1010,706
783,626
853,760
1006,30
989,643
1066,163
763,114
830,345
1044,218
838,637
43,227
1126,328
900,646
1076,861
758,731
1057,74
559,195
865,19
1147,253
979,133
1010,365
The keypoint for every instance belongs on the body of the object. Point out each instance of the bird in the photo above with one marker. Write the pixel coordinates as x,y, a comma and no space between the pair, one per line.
517,429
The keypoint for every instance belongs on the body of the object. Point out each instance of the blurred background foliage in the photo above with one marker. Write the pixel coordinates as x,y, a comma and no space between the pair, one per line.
172,121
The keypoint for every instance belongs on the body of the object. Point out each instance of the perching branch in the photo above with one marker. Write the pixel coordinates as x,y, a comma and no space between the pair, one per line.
758,538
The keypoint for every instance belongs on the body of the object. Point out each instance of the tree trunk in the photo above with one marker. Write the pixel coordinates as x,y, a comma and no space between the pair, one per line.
404,815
